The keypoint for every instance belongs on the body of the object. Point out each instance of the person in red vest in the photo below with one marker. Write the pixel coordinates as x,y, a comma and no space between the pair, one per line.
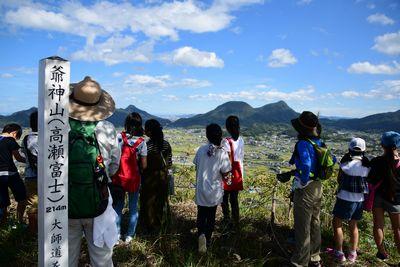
234,145
127,179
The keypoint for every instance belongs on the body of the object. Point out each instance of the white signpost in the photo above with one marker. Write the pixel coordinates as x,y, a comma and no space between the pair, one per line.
54,78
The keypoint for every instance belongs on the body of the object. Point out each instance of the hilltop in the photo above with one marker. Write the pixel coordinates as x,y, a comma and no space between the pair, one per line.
256,119
278,112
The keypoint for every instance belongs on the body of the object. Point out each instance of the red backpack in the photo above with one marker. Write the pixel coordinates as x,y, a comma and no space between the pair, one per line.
237,178
128,174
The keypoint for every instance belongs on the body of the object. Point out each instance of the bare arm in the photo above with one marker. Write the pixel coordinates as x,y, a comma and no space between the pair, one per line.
143,162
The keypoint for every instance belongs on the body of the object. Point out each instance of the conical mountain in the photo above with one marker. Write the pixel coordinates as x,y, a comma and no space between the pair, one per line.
118,118
278,112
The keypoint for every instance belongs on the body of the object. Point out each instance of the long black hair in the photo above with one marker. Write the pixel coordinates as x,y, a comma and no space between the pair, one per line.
133,124
233,126
389,167
33,121
154,131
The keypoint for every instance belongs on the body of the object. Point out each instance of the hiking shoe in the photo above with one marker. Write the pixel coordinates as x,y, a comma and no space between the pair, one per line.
202,244
352,257
382,256
128,239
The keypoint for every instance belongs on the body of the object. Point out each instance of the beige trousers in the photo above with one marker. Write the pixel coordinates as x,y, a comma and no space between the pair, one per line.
307,206
99,257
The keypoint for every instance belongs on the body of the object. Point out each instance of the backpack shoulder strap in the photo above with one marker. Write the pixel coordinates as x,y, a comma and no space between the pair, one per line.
138,142
124,138
232,156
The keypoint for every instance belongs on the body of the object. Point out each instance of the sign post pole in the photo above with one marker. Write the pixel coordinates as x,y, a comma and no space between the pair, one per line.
54,78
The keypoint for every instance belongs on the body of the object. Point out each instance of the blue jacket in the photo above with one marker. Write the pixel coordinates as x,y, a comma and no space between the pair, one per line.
305,159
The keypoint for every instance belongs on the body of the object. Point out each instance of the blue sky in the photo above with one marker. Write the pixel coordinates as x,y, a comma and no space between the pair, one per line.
338,58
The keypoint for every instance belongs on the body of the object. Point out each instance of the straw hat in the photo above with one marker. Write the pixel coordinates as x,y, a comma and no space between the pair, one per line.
88,102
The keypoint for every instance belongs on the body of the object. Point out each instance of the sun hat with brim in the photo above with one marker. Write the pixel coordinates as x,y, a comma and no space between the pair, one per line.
88,102
306,124
391,139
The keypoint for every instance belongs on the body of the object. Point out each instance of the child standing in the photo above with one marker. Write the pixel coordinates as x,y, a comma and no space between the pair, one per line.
234,145
127,179
212,165
352,179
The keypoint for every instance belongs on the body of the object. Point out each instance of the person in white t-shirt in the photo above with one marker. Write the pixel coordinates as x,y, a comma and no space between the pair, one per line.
234,145
212,166
352,179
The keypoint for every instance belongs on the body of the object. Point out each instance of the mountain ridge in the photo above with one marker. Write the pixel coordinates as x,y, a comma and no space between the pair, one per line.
273,113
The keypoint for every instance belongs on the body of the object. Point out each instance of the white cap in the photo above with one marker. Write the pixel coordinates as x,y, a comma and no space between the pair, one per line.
357,144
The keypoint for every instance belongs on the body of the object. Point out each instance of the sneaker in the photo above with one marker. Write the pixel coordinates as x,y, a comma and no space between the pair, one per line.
352,257
382,256
128,240
119,241
202,244
337,255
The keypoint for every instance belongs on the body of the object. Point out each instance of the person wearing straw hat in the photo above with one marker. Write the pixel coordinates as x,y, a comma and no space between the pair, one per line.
92,141
307,193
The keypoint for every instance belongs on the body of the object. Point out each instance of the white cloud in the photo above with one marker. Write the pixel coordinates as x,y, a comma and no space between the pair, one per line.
147,80
116,49
171,97
189,56
111,20
151,84
261,86
388,43
379,18
194,83
159,19
6,75
303,2
387,90
368,68
118,74
281,58
304,94
237,30
350,94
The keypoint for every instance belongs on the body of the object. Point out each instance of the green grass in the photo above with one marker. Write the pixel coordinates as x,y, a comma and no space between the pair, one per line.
258,243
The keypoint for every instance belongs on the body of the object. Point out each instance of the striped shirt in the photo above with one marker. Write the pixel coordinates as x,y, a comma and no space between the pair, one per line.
152,148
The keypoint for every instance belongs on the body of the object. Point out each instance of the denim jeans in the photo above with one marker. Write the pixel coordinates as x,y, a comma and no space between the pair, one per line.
119,204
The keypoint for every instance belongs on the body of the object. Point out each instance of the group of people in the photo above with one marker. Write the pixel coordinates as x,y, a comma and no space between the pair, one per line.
363,184
127,168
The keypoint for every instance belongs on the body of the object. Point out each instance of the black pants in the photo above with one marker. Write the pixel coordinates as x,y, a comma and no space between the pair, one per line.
206,221
231,197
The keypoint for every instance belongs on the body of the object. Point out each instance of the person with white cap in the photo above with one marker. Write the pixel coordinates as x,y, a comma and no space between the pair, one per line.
385,174
93,157
352,180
